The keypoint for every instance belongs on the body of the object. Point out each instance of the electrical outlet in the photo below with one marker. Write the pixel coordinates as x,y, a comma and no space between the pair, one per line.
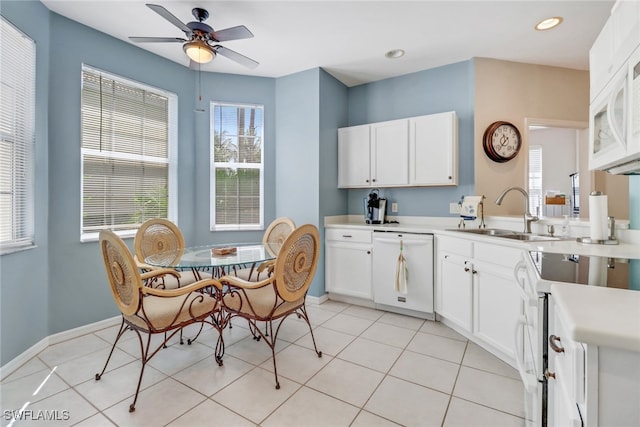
394,207
454,208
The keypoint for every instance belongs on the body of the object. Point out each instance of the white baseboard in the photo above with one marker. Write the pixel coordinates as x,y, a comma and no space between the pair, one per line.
316,300
41,345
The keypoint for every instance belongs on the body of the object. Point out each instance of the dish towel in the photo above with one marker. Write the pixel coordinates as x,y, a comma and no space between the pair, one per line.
470,207
402,273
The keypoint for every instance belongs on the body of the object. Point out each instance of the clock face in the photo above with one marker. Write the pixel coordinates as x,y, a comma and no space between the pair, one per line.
505,141
501,141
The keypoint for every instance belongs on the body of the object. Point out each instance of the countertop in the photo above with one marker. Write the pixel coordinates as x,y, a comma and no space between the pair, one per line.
600,316
629,246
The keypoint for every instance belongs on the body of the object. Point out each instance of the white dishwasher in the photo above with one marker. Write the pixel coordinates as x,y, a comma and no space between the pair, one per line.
417,250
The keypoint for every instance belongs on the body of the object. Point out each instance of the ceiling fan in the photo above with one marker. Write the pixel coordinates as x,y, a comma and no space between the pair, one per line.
201,42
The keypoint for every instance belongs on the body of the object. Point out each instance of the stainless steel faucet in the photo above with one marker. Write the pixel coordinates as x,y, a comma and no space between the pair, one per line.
528,217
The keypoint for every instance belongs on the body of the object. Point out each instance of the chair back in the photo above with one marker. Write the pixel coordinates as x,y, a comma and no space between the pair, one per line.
122,272
276,234
297,262
159,235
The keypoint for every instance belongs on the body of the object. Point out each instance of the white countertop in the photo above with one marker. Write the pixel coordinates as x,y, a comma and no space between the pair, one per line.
629,246
600,316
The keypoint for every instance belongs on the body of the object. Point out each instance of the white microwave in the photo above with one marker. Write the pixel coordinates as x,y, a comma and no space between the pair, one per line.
614,122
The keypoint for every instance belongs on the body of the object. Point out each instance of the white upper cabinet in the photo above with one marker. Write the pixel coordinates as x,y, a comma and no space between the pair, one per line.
389,153
354,150
418,151
433,149
617,40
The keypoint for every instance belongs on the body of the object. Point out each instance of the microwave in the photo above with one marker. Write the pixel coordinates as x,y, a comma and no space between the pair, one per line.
614,122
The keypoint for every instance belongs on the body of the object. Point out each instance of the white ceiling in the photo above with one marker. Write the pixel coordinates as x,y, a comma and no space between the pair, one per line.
349,38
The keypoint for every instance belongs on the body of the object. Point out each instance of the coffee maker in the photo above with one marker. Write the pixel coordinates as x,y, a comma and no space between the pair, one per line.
375,208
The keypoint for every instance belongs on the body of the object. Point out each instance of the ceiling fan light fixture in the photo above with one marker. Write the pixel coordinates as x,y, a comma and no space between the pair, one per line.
549,23
199,51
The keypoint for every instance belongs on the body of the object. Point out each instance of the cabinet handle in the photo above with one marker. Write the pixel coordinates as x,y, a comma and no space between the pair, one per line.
474,272
552,344
373,180
347,235
467,269
368,252
450,178
366,180
548,374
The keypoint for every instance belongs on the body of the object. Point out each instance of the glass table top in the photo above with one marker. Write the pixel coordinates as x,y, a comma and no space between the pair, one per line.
217,255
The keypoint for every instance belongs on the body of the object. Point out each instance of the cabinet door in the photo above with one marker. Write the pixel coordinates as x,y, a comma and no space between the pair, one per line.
353,157
454,289
625,18
497,307
601,60
433,149
348,269
390,153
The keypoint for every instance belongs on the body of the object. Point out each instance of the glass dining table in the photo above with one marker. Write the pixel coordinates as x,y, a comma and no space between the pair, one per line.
216,259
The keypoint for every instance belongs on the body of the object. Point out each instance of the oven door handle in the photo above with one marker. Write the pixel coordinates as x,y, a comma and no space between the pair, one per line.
529,380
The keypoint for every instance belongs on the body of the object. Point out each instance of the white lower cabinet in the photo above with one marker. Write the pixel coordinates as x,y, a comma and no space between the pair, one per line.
590,385
476,291
453,300
348,262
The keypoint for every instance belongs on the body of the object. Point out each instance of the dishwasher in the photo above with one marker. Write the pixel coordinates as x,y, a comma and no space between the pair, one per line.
417,250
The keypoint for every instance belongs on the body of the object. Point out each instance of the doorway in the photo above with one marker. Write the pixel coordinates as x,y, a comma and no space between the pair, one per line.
562,181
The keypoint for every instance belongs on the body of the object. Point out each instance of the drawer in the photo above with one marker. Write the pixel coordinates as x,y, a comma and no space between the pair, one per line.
454,245
497,254
348,235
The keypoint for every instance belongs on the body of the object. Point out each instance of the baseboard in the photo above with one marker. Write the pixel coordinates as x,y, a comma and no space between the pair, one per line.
34,350
316,300
84,330
9,367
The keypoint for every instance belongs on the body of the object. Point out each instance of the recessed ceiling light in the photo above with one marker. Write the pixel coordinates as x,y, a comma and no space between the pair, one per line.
395,53
549,23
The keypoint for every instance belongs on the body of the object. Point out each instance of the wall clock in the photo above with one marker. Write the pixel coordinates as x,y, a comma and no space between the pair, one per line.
501,141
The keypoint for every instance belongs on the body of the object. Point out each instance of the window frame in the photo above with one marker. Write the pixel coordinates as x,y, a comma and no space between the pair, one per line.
171,160
213,226
535,194
22,153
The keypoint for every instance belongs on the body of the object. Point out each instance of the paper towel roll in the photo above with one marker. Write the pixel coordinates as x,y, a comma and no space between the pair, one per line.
598,217
597,271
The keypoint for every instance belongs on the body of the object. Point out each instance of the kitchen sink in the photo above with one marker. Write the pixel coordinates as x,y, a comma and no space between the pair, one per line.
529,237
508,234
485,231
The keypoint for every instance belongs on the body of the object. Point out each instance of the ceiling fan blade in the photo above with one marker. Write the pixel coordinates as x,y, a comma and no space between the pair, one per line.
233,33
169,17
157,39
235,56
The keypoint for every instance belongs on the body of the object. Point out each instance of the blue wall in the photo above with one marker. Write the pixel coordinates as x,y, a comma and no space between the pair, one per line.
447,88
24,282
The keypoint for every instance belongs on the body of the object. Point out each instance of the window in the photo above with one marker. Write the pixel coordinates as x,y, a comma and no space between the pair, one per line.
535,179
237,160
129,135
17,138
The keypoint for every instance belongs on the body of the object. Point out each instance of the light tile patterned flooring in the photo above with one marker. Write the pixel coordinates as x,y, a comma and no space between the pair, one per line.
377,369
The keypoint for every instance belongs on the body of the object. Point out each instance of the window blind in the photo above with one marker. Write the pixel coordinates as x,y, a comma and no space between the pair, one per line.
535,178
126,134
237,166
17,138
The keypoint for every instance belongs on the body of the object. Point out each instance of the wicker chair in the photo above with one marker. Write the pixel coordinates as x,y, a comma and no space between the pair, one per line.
147,310
281,294
156,236
273,238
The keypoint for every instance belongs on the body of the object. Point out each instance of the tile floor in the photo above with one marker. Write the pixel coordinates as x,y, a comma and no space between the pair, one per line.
377,369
